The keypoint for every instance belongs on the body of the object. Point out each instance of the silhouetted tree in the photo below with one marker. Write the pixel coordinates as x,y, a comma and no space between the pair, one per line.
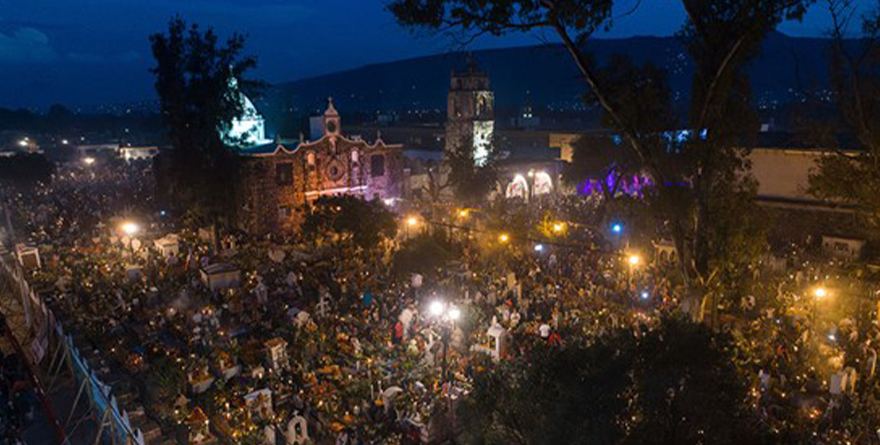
365,223
855,73
25,170
198,81
671,384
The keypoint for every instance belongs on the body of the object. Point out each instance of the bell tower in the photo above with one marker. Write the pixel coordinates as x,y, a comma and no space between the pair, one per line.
331,119
470,113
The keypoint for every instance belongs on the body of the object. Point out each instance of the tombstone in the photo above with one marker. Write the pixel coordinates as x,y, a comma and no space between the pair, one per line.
511,280
167,246
301,319
220,276
133,273
268,435
872,363
406,318
765,380
417,281
262,293
28,256
277,255
259,402
297,430
843,382
276,353
322,307
388,396
497,346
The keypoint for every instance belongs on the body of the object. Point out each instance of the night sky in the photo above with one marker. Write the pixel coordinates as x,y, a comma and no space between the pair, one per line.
89,52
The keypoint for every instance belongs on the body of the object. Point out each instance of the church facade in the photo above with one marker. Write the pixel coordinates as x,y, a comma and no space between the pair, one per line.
278,181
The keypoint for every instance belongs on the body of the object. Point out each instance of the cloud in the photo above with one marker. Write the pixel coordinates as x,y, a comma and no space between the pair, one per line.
26,45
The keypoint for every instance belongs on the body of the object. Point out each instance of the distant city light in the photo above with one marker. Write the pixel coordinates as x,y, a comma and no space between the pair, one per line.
617,228
65,141
23,142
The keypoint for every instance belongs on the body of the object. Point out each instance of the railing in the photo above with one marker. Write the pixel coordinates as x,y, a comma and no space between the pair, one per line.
49,330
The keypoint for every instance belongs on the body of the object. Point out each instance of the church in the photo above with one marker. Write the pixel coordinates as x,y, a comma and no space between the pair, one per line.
278,180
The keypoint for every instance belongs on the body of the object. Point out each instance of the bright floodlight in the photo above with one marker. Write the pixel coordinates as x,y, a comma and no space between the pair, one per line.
436,308
558,227
504,238
617,228
645,295
130,228
463,213
23,143
89,160
412,220
454,313
634,260
820,292
539,247
388,201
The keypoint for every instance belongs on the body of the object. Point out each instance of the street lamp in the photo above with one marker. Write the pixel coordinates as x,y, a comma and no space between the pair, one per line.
539,247
445,313
463,213
129,228
412,221
89,160
633,261
820,292
503,238
558,227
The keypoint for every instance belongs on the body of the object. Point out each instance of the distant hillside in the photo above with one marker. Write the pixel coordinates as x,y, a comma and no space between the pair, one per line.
786,67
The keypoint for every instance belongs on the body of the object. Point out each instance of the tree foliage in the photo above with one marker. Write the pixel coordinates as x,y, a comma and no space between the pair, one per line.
471,182
672,384
25,170
855,73
424,254
365,223
199,100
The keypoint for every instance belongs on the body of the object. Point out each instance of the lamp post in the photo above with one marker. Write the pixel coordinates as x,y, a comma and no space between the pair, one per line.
819,293
412,221
447,315
130,228
633,261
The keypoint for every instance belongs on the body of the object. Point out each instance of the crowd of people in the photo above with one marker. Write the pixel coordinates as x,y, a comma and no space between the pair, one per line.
334,337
